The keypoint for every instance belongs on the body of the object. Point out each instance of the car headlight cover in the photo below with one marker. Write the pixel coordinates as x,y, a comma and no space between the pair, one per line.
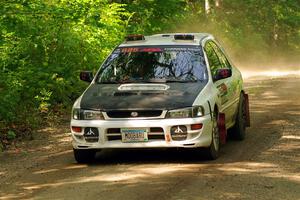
91,114
81,114
196,111
76,113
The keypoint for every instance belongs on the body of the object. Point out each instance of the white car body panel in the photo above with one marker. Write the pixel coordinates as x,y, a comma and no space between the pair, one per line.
198,138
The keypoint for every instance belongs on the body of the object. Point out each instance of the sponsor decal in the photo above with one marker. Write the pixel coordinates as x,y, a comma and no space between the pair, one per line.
168,138
91,132
154,49
178,130
223,92
128,50
181,49
135,49
223,89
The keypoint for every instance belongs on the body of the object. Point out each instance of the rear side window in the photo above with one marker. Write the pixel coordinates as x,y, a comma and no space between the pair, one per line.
213,60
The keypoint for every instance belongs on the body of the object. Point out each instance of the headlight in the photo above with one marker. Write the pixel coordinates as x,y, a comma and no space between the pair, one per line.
81,114
76,113
91,114
196,111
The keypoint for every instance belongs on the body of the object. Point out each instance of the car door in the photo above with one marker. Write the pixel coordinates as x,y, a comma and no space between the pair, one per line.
222,85
232,94
214,65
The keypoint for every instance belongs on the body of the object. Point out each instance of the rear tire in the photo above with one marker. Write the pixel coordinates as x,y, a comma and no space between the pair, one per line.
212,152
239,128
84,155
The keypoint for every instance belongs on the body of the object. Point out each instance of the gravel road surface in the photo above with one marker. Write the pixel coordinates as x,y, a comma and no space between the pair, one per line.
266,165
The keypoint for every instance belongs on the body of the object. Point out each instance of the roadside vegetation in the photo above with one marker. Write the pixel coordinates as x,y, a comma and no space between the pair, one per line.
45,44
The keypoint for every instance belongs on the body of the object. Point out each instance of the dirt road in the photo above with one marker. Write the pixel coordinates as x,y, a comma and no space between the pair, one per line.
264,166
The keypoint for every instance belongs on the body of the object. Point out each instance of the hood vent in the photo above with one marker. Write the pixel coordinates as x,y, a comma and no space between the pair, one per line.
135,86
118,94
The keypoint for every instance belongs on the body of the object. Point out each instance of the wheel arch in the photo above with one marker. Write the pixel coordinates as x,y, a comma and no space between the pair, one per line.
216,108
247,107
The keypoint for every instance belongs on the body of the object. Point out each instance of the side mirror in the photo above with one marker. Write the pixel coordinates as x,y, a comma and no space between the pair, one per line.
222,74
86,76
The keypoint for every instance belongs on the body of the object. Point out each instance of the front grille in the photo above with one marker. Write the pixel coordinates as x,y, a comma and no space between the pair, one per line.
117,94
156,133
156,137
114,137
113,134
113,130
133,113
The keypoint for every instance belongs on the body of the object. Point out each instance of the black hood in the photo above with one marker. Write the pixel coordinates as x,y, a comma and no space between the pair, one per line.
108,97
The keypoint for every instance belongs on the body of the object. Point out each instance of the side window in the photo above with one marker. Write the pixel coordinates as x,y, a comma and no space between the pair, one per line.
222,57
213,59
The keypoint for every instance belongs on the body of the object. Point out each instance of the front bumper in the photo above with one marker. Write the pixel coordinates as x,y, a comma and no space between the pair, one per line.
195,138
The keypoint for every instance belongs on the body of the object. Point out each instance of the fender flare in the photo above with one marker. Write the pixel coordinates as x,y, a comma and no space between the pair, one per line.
246,97
222,127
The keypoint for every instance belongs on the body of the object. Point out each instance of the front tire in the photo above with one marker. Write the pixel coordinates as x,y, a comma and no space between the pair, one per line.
84,155
212,152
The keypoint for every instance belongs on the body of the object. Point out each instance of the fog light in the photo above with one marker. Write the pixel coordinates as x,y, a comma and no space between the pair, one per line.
196,126
76,129
178,132
91,134
79,137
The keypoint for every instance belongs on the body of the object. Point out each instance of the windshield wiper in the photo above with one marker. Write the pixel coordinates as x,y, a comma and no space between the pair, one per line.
180,81
107,82
119,82
155,80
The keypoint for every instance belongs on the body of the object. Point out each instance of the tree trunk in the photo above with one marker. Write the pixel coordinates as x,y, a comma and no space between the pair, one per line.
217,3
207,7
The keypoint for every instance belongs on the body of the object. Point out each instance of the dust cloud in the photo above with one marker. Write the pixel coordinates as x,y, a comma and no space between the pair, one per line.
253,55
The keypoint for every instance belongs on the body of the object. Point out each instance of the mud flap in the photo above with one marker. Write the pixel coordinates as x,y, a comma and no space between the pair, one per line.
246,97
222,128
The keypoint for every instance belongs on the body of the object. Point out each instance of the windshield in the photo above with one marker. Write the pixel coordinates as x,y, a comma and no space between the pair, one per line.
154,64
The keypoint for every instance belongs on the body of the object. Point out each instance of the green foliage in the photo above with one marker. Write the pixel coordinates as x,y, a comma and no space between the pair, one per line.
11,135
45,44
43,100
150,16
259,32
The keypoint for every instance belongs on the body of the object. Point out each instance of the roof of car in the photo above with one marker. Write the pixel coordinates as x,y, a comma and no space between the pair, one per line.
167,39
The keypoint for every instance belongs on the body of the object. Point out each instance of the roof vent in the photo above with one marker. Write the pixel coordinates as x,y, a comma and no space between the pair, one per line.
135,37
184,37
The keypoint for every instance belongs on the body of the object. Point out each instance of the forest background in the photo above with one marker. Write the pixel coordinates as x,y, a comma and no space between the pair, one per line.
44,44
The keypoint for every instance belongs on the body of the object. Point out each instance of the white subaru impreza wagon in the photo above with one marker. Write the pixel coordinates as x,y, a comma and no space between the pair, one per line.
161,91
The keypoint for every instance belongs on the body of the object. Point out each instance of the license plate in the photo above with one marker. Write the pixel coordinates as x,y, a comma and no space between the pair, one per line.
134,135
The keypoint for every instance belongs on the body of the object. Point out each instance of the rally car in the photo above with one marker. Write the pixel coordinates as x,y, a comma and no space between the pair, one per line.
161,91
